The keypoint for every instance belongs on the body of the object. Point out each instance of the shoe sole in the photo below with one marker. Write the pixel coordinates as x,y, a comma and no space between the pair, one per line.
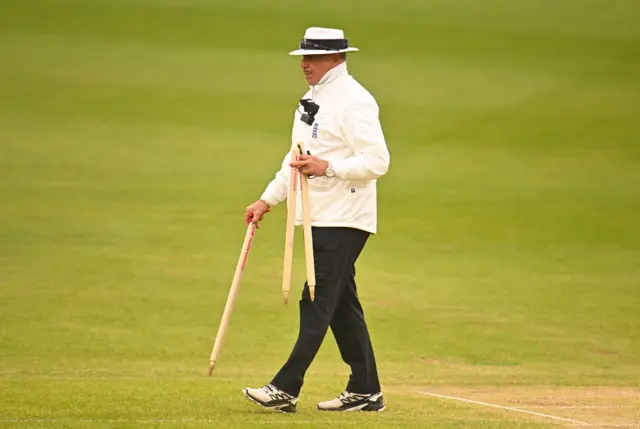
282,408
374,403
354,409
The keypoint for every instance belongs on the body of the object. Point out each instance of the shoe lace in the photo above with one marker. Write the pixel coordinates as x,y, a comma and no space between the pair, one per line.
275,393
348,397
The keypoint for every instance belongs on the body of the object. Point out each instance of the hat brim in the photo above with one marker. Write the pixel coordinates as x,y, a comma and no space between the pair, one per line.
320,52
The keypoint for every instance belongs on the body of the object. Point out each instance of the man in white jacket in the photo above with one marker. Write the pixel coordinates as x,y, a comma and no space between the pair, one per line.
341,130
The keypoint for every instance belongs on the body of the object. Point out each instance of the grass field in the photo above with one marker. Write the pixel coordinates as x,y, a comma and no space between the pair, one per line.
507,265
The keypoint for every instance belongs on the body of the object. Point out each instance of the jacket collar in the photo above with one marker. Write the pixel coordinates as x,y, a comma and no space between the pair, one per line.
330,76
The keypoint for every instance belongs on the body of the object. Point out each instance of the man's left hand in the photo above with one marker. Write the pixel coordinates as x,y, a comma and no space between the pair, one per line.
310,165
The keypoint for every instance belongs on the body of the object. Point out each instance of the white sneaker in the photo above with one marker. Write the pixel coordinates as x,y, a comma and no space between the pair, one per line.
271,397
348,401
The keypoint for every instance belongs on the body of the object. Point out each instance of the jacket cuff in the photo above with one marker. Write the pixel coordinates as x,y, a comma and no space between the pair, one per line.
339,169
268,199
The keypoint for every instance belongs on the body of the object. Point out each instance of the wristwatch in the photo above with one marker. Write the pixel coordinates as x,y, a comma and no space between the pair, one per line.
329,172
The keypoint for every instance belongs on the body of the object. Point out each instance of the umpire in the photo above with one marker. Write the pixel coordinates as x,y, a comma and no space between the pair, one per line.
338,122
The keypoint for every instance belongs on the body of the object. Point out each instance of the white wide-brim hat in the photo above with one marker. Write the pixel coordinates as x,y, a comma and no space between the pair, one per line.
323,41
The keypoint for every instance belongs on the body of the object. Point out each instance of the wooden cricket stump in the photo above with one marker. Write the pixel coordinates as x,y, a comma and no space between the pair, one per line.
308,237
292,200
233,293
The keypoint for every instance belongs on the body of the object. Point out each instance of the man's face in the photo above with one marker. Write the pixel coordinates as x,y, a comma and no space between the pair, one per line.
316,66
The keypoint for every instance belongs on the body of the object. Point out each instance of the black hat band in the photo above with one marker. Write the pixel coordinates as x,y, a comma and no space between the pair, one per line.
324,44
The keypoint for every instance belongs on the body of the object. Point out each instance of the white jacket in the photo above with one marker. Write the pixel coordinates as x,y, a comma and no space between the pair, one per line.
347,133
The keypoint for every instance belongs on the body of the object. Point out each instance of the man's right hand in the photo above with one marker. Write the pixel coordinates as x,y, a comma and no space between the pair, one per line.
255,212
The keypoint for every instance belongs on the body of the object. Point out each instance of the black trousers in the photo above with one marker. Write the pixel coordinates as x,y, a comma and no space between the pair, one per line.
337,306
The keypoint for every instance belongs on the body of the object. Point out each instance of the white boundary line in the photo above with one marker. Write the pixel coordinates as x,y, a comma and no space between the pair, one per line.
519,410
579,407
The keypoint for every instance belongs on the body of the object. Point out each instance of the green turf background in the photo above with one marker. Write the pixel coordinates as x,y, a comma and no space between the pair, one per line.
133,134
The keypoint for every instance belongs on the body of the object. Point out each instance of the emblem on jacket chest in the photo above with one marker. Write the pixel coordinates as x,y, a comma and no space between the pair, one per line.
314,131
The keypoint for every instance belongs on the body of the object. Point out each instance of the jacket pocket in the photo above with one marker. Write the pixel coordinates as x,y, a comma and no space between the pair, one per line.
321,182
355,185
